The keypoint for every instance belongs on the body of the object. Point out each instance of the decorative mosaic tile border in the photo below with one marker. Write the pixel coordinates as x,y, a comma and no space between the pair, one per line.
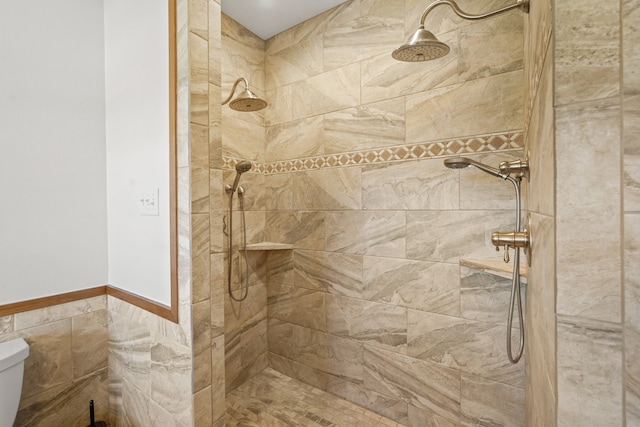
511,140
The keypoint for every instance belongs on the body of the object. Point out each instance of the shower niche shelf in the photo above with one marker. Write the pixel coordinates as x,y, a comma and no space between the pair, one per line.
495,267
269,246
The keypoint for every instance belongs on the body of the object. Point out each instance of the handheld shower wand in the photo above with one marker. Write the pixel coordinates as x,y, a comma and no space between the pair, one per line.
241,167
516,239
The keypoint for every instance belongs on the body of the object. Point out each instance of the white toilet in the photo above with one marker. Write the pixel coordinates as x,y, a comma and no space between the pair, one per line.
12,355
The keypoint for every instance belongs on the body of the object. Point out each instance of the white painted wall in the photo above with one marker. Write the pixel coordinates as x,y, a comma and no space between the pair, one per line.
74,161
53,225
137,130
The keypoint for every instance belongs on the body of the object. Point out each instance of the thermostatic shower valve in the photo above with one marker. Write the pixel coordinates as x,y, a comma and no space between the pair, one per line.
514,239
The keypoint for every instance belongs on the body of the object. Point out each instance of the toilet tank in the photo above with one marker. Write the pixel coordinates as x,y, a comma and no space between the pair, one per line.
12,355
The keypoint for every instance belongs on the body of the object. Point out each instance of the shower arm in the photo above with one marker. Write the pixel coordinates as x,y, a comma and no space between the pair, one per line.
233,89
523,4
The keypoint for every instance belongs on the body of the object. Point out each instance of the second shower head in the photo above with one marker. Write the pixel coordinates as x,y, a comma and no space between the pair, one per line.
464,162
424,46
246,100
241,167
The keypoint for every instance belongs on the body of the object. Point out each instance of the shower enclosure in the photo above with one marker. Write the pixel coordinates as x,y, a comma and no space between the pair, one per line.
373,303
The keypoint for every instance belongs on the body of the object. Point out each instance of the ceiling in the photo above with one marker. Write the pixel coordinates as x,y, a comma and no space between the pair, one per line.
266,18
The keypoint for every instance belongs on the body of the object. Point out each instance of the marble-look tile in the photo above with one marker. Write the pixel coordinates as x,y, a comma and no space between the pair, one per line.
242,54
540,321
199,185
295,139
29,319
237,314
135,405
6,324
631,100
485,297
198,17
201,318
294,63
67,404
315,27
420,285
385,78
424,184
420,417
364,127
436,389
280,268
335,355
171,368
279,187
327,189
278,42
375,324
159,416
116,410
631,147
588,207
468,234
485,402
305,230
272,399
328,272
280,108
587,51
297,305
326,92
130,351
492,46
215,44
217,377
50,361
218,289
89,342
202,408
480,106
242,139
465,345
589,373
379,233
201,280
632,317
215,128
378,29
540,146
198,80
479,190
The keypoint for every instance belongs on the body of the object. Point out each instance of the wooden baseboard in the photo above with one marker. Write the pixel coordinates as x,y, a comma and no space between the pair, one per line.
169,313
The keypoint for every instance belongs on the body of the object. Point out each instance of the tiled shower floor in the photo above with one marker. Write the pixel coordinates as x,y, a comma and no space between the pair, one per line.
271,399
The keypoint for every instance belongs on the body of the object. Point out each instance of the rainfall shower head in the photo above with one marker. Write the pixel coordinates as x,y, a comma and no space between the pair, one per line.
241,167
424,46
464,162
246,100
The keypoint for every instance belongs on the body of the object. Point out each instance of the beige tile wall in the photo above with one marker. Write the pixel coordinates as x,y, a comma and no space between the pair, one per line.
354,179
67,364
589,239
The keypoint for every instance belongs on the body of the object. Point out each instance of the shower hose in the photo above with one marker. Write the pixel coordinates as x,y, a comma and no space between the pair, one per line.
243,294
515,284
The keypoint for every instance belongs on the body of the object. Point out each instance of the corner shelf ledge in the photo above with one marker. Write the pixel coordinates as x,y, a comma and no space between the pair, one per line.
497,268
269,246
